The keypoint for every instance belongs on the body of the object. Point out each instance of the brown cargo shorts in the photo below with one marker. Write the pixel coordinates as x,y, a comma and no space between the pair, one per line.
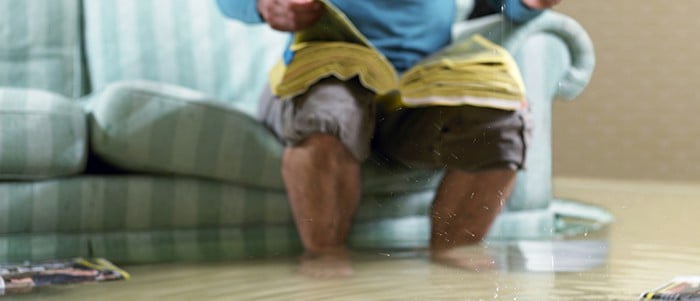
468,138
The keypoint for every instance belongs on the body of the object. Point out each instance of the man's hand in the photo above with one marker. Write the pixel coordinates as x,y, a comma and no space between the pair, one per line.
540,4
290,15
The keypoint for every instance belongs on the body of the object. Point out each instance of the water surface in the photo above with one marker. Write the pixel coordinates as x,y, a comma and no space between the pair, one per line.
654,238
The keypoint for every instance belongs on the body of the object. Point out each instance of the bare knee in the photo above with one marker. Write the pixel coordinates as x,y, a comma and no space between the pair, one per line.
320,152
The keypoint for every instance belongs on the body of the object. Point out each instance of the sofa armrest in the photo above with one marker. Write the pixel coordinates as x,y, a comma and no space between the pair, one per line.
512,36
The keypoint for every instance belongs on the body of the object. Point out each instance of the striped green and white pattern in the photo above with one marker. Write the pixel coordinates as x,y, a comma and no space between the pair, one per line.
147,219
19,248
183,42
40,45
42,135
142,203
214,243
158,128
142,219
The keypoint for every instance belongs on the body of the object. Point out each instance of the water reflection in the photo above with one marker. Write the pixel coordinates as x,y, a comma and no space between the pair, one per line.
635,254
518,270
551,256
585,269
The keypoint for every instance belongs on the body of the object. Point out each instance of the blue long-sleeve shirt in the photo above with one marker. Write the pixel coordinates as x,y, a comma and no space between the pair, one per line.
405,31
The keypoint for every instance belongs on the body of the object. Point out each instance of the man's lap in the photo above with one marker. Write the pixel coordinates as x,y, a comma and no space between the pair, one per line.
462,137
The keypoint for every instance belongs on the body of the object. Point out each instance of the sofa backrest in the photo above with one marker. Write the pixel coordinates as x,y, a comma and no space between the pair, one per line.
184,42
40,45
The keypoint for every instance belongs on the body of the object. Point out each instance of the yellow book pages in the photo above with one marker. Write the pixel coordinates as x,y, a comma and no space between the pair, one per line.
463,78
316,60
477,100
491,92
469,71
474,50
332,47
502,92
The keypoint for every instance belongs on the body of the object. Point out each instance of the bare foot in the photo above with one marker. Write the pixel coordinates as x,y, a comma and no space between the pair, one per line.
327,265
462,258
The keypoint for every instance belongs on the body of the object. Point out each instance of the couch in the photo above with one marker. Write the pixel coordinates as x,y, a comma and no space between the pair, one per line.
126,133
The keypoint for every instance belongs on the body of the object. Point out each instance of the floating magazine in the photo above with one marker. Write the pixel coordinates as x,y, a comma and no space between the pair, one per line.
686,288
27,276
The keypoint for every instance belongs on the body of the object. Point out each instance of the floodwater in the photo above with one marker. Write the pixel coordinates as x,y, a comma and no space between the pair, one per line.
654,238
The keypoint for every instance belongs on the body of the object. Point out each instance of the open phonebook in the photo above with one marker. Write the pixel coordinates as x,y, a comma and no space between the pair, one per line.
471,71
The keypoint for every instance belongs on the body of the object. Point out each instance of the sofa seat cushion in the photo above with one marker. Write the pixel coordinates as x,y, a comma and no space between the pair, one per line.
164,129
42,135
140,219
40,45
101,204
183,42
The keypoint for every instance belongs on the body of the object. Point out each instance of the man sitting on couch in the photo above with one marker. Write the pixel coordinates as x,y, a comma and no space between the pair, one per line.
332,128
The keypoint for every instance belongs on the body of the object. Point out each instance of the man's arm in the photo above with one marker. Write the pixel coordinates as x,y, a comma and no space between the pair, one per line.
283,15
515,10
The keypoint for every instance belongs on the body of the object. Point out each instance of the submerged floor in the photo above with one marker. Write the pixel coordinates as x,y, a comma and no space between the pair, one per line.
654,238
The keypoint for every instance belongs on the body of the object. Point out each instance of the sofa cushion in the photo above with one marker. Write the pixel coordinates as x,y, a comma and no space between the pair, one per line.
109,203
40,45
183,42
146,219
42,135
159,128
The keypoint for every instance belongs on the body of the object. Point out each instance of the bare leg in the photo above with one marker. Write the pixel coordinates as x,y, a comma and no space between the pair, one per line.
323,183
465,206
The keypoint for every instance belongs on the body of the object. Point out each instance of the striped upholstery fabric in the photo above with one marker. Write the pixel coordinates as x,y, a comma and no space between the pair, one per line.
147,219
141,203
40,45
153,127
158,128
246,243
41,135
183,42
45,246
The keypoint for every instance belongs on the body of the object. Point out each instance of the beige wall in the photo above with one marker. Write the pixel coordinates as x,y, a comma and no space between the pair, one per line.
638,119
